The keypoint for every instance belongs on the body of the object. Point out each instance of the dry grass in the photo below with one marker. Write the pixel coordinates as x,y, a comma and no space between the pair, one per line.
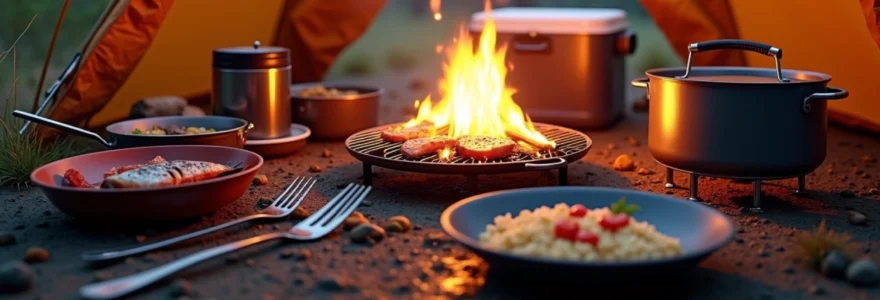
21,154
814,245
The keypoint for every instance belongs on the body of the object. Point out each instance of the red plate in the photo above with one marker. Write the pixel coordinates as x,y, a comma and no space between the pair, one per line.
147,204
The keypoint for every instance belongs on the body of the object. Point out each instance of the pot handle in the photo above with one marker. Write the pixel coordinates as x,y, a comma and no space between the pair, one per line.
832,93
62,126
640,82
546,166
733,44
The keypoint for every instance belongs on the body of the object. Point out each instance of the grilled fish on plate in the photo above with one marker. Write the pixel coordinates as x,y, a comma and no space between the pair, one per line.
167,174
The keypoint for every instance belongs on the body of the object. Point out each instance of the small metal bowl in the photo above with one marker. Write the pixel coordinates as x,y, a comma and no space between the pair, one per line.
336,117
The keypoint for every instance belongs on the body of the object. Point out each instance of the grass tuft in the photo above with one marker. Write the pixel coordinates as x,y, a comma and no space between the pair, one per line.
814,245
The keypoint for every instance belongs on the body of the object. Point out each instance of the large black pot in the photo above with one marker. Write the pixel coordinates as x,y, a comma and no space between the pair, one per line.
229,132
736,121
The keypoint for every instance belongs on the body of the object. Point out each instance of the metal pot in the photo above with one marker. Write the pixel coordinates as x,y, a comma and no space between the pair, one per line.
736,121
230,132
336,117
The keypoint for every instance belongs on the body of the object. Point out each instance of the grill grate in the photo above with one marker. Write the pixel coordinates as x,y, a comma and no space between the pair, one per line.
369,147
371,143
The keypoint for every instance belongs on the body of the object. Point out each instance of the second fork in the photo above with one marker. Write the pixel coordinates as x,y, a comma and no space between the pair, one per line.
283,205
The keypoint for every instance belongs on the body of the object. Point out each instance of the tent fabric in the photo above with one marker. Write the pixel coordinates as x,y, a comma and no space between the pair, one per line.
109,61
814,44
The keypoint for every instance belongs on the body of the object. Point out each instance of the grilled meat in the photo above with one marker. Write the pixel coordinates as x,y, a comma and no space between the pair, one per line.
484,147
123,169
73,178
419,147
401,134
166,174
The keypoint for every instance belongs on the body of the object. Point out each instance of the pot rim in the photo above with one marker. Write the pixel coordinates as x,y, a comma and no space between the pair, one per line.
372,91
242,125
822,77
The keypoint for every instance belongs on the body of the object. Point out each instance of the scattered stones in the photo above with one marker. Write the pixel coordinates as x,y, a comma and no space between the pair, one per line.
367,203
632,141
780,249
300,213
874,191
436,238
856,218
7,238
868,158
643,171
334,283
611,146
863,272
180,288
367,233
816,290
354,220
36,255
393,227
847,194
315,169
303,255
140,238
834,264
623,163
763,253
15,276
403,221
260,180
788,270
264,202
287,253
326,153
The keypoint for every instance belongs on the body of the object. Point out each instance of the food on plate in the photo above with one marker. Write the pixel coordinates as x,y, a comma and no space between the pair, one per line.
400,134
419,147
172,130
155,173
484,147
580,234
321,91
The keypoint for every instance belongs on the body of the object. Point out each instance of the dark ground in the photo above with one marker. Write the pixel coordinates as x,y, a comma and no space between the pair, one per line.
405,266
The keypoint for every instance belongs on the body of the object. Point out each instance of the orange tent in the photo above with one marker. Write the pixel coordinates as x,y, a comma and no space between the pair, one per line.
839,38
143,48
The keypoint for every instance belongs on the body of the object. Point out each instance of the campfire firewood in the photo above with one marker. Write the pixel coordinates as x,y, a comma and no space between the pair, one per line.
537,144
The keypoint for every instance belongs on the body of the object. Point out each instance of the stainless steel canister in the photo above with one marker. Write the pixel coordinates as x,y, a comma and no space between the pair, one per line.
252,83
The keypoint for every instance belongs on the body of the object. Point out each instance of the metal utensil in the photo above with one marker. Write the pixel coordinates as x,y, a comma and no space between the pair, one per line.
283,205
316,226
229,132
360,111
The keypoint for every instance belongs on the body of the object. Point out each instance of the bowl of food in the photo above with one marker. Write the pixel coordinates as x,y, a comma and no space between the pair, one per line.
587,231
148,183
335,111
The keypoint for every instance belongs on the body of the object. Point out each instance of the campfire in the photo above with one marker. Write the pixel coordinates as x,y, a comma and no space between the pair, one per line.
475,104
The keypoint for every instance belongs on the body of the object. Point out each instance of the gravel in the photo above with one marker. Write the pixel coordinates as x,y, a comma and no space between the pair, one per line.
834,264
15,276
863,272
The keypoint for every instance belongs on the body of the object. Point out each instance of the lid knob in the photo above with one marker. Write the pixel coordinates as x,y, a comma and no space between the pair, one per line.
256,44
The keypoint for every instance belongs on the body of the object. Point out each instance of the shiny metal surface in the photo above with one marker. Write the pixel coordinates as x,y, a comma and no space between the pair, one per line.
261,96
337,117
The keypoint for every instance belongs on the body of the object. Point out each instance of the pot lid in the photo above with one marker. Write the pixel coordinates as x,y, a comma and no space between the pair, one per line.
739,75
253,57
554,20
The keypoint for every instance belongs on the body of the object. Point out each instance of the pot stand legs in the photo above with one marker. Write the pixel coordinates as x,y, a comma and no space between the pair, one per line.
802,186
756,199
695,182
670,182
563,175
368,174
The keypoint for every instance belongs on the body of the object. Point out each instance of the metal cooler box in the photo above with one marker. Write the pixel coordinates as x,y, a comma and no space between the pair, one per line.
567,64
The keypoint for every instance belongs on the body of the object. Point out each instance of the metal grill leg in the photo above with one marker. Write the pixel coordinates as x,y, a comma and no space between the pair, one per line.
670,182
695,183
802,185
368,174
757,198
563,175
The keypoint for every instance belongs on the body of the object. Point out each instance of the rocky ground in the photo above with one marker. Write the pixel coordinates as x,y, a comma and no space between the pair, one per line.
423,262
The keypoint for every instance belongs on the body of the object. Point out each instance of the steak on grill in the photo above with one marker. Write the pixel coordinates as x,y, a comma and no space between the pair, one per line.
419,147
484,147
403,134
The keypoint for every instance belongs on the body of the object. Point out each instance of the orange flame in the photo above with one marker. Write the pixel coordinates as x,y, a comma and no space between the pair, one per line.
475,99
435,8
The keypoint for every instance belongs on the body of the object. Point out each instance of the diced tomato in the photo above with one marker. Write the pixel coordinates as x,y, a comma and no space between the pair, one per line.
613,222
566,229
74,178
586,236
578,210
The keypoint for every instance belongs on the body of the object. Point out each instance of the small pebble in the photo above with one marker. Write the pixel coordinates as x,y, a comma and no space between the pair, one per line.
7,238
763,253
788,270
643,171
367,233
333,283
623,163
264,202
856,218
180,288
404,222
342,186
140,238
847,194
36,255
611,146
863,272
740,240
287,253
300,213
353,221
315,169
303,255
367,203
834,264
873,191
326,153
632,141
393,227
260,180
780,249
816,290
15,276
868,158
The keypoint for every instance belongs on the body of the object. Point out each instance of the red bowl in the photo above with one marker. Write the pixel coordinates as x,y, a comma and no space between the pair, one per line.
146,204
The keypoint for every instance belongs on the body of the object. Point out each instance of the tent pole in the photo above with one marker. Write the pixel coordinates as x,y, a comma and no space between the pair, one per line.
49,55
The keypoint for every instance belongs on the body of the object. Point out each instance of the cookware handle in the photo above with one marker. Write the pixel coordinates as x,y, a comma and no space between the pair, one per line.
531,42
832,93
62,126
547,166
640,82
735,45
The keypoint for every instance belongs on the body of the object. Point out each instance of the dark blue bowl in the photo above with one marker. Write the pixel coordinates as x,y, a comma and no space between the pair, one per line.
701,229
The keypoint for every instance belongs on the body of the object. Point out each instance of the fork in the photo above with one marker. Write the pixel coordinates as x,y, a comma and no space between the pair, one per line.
314,227
280,208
